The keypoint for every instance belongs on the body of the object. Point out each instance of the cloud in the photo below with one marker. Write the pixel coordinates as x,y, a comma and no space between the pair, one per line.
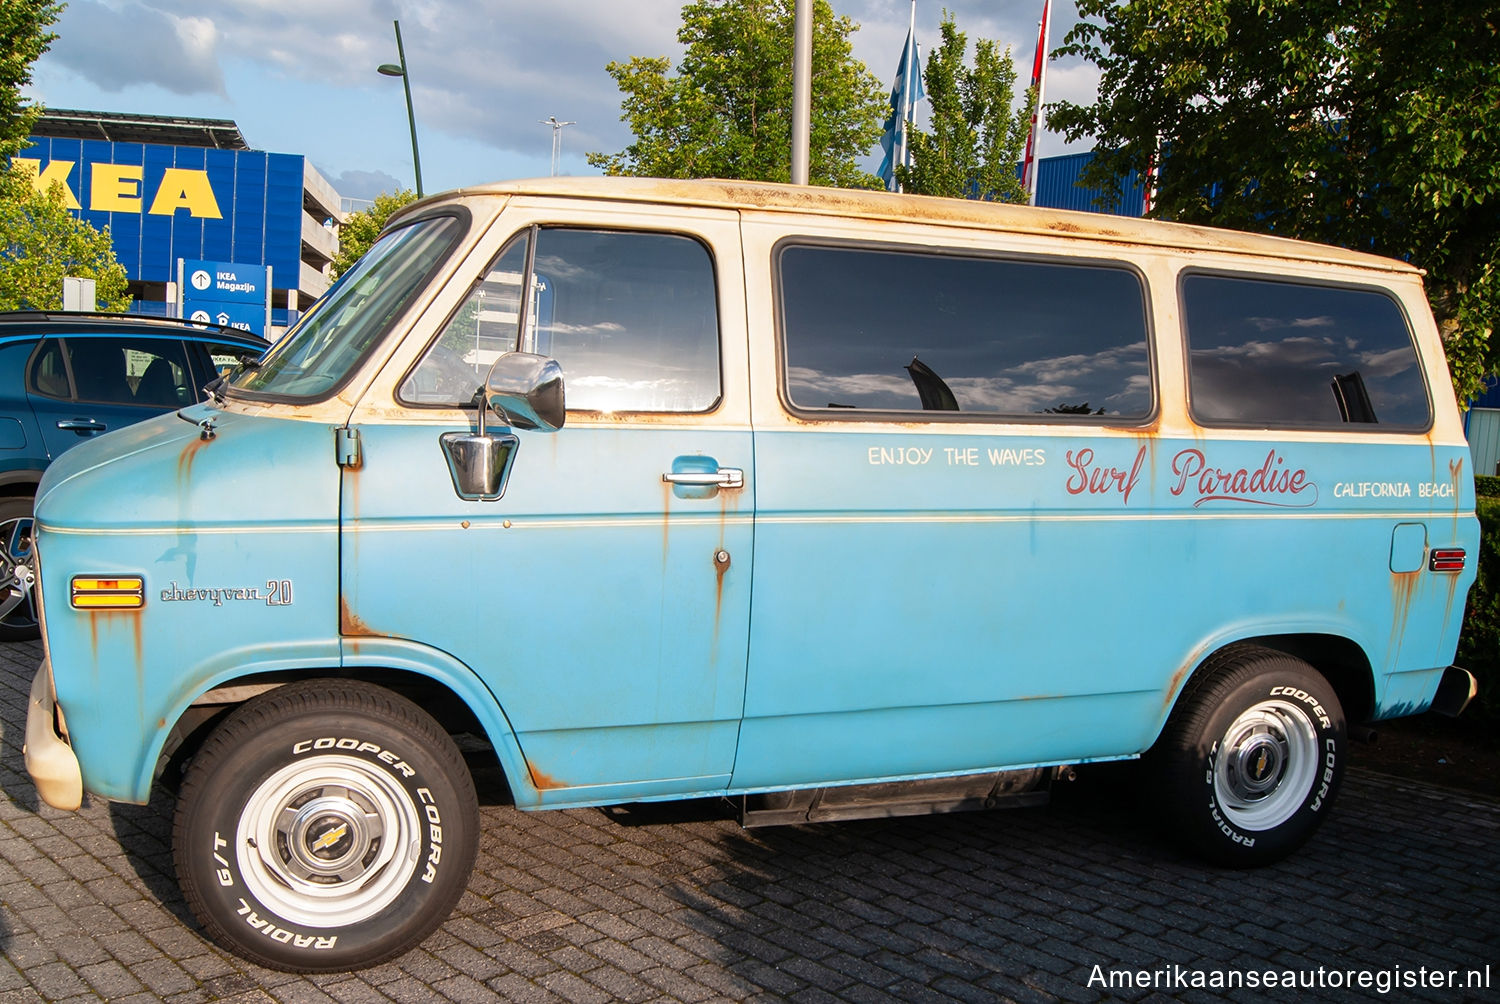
365,185
117,47
485,71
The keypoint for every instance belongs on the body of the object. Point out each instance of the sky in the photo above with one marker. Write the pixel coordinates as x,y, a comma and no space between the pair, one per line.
299,77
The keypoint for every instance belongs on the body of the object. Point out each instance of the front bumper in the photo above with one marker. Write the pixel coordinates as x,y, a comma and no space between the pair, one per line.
49,759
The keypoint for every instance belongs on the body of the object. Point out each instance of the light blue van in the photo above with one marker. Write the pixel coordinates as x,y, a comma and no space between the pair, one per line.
834,503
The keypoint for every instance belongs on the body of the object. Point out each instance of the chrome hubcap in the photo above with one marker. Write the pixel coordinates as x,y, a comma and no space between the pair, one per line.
1266,765
328,841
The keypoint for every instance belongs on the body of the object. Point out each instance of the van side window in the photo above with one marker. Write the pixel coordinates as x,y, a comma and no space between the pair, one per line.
455,366
900,331
1276,354
632,318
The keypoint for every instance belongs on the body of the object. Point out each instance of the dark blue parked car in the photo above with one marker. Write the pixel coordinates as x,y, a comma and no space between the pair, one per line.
66,377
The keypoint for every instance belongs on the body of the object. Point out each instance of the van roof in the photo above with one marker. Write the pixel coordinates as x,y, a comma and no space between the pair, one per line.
856,203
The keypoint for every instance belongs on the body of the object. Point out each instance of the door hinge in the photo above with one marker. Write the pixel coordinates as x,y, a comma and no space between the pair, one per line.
346,447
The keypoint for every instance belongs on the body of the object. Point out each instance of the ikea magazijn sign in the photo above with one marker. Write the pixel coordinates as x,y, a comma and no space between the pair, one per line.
162,203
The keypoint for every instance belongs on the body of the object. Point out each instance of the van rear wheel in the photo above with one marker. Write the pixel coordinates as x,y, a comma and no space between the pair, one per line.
1251,757
325,826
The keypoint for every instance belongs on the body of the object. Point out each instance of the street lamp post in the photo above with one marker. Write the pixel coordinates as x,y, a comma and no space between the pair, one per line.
394,70
557,128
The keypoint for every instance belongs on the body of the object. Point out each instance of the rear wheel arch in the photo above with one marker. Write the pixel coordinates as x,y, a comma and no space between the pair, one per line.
1339,660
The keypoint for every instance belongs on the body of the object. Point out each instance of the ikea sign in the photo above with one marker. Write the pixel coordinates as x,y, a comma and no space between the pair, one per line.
165,203
119,188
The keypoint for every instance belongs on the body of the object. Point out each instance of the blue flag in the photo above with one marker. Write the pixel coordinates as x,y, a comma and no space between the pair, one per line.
905,93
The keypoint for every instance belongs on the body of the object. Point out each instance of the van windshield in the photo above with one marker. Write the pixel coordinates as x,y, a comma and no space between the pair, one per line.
316,356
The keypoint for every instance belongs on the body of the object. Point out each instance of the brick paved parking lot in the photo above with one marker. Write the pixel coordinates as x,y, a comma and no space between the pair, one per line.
677,903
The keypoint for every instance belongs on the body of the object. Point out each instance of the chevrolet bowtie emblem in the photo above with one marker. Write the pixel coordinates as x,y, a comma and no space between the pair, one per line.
331,837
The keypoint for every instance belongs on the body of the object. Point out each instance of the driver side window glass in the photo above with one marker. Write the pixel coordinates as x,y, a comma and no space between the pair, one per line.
483,327
632,318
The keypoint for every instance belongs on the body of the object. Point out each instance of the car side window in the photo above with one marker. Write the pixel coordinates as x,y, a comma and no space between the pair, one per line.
930,334
144,371
49,373
632,318
1274,354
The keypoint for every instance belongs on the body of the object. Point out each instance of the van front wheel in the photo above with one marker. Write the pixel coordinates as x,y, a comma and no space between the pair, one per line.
325,826
1251,757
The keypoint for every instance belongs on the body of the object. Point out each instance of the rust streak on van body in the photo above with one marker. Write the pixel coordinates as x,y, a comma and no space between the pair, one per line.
110,618
1403,591
188,455
350,623
541,781
1176,681
666,522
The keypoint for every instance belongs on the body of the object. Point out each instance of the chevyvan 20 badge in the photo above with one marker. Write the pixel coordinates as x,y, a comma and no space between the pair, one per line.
1273,483
277,593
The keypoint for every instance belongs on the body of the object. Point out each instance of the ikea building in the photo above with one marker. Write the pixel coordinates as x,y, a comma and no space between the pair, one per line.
191,189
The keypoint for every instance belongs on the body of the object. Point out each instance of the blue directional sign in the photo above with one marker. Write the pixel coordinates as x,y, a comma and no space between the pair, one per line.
224,282
245,316
219,292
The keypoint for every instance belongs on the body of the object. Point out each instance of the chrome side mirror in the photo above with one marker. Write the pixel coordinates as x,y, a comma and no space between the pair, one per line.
479,462
526,390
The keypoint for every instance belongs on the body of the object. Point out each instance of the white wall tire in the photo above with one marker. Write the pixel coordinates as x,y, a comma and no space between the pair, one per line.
328,825
1250,758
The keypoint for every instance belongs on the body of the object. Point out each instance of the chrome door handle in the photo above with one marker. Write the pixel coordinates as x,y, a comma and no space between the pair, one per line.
724,477
81,425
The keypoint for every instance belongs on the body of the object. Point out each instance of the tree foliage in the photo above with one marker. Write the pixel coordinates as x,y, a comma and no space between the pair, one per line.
974,139
360,229
1371,124
23,38
727,112
41,242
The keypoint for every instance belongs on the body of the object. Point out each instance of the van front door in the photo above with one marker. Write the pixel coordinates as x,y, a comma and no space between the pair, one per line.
604,598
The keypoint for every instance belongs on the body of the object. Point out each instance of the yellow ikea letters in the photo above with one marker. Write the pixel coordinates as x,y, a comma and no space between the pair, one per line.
120,188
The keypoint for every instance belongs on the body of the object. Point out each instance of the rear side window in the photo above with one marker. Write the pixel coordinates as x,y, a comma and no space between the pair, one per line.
900,331
1276,354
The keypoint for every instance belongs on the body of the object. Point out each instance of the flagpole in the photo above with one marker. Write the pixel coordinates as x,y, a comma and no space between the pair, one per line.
1038,117
802,38
907,101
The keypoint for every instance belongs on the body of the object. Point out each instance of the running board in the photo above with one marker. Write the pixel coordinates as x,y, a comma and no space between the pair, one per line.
1007,788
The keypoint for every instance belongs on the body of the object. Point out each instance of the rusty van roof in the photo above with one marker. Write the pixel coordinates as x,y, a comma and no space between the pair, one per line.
920,209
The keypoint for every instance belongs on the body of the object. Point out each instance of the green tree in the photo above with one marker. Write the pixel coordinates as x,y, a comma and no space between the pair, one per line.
23,38
727,113
1371,124
974,139
360,229
41,242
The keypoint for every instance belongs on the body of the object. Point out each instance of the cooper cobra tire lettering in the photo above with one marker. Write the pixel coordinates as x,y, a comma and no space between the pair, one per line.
324,826
1250,757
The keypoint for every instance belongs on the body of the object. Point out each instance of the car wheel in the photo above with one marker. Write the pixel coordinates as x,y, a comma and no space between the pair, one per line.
18,622
1251,757
325,826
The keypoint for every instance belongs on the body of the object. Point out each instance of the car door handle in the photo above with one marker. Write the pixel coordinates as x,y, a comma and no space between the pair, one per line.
82,425
724,477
